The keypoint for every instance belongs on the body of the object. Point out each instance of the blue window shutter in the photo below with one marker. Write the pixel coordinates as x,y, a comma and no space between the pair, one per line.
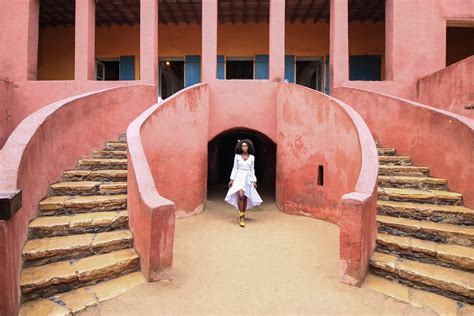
261,67
127,68
220,67
193,69
327,75
365,67
290,68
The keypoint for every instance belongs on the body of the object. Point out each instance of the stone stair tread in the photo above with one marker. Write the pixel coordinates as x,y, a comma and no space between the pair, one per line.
58,202
426,225
115,145
394,157
418,298
54,246
79,299
70,271
104,152
386,150
105,173
460,282
103,160
411,179
455,254
410,193
112,186
427,207
75,185
66,222
404,168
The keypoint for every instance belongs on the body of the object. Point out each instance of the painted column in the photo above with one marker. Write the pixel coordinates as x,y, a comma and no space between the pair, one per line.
277,40
209,41
84,56
338,43
19,25
149,41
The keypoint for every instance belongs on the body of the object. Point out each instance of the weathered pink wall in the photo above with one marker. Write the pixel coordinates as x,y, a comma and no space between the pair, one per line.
242,103
314,129
29,96
6,120
440,140
45,144
449,89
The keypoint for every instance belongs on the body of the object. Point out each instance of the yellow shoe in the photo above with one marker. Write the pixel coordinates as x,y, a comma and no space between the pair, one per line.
241,223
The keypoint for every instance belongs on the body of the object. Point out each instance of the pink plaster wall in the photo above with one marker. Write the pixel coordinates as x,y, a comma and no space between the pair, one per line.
6,119
167,158
440,140
314,129
242,103
29,96
449,89
45,144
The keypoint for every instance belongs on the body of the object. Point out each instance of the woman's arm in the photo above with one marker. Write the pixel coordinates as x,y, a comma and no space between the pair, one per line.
252,170
233,174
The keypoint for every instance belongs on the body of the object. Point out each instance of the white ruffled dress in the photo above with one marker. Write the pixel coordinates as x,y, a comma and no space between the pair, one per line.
243,174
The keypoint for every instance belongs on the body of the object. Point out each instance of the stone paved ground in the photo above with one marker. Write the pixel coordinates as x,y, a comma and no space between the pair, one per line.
278,264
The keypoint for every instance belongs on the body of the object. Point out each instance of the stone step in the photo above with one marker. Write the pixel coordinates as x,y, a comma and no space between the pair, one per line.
116,146
102,164
58,205
451,256
451,214
51,226
439,304
424,183
438,232
424,196
395,160
452,283
386,151
47,250
58,277
88,188
96,175
117,154
80,299
411,171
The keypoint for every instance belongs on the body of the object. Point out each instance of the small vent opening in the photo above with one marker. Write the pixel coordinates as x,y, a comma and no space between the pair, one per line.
320,175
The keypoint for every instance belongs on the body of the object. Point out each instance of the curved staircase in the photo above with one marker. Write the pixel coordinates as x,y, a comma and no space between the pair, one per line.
79,251
425,234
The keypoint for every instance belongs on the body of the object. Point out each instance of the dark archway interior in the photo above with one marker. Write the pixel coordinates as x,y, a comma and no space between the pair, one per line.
221,158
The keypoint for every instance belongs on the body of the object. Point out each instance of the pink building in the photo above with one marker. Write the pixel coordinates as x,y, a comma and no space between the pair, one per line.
312,83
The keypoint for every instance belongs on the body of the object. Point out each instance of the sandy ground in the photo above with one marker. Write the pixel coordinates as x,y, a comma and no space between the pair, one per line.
278,264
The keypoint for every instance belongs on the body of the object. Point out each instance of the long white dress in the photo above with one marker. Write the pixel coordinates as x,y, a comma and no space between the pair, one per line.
243,174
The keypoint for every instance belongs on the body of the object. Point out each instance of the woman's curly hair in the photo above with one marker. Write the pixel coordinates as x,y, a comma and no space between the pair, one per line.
238,147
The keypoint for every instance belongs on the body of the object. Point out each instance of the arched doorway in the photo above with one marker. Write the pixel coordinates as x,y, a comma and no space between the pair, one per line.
221,157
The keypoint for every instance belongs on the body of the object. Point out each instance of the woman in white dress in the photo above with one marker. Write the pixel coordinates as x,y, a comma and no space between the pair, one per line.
243,183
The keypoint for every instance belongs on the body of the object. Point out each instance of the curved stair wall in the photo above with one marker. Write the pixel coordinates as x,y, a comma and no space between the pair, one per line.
316,130
442,140
167,157
43,145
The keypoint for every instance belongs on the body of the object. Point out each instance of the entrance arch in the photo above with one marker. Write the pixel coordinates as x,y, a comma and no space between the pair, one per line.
221,158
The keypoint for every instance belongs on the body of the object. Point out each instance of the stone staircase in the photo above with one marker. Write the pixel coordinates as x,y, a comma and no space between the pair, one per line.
425,234
79,250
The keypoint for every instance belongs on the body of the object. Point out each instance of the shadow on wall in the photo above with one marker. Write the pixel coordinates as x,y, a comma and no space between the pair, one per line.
221,150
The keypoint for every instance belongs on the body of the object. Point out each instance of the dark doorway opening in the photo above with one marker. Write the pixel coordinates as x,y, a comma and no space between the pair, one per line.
459,44
239,69
309,73
221,158
171,77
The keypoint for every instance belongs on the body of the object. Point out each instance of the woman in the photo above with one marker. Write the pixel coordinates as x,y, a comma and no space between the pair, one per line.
243,183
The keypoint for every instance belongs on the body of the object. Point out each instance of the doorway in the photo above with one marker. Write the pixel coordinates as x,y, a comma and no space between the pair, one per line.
171,76
239,68
309,72
221,151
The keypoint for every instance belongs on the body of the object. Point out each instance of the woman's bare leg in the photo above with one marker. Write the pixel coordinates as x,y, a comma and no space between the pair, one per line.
242,204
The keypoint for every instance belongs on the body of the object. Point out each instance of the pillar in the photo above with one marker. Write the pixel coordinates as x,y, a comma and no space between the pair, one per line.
209,41
149,41
277,40
84,56
338,43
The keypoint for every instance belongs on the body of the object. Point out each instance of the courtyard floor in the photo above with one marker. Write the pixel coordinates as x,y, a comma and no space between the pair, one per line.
277,264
